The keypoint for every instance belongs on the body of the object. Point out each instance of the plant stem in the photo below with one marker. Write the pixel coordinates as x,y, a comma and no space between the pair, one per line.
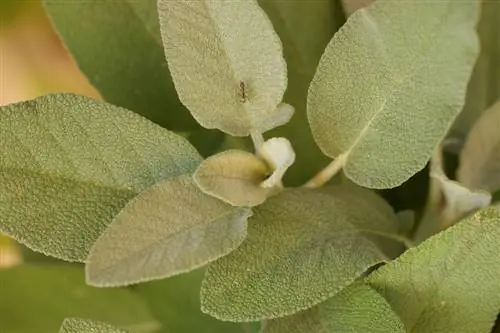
257,139
327,173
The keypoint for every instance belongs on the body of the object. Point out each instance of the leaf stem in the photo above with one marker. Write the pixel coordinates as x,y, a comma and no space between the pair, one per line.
322,177
257,139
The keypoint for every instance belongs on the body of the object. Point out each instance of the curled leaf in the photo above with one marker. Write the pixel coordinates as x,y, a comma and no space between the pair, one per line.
279,154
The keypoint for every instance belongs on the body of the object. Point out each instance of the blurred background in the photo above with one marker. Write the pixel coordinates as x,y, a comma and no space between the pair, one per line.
33,62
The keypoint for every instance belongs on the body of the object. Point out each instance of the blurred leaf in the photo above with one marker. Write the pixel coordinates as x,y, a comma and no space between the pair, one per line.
356,309
303,247
77,325
207,142
68,165
350,6
36,299
226,62
233,176
175,302
117,45
305,28
449,283
480,158
484,86
168,229
371,122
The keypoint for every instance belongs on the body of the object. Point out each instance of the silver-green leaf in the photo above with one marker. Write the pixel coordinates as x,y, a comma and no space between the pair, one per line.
69,164
78,325
389,86
303,246
226,62
168,229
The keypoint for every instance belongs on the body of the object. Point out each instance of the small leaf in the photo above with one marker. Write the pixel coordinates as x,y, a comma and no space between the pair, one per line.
279,154
129,68
226,62
356,309
402,77
480,158
233,176
303,247
168,229
68,165
77,325
350,6
37,298
449,283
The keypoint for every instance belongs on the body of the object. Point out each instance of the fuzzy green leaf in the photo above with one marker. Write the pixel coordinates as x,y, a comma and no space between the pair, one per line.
449,283
77,325
303,247
480,158
168,229
226,62
402,77
69,164
36,299
233,176
117,45
356,309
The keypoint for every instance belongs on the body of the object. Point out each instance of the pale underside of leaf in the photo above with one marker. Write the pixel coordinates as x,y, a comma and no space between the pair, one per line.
279,155
302,247
480,158
226,62
68,164
356,309
449,283
381,122
168,229
77,325
233,176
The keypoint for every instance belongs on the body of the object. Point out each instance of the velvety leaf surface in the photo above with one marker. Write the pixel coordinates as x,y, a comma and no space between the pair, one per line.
226,62
233,176
303,246
77,325
36,299
365,102
305,28
480,158
168,229
356,309
117,45
449,283
69,164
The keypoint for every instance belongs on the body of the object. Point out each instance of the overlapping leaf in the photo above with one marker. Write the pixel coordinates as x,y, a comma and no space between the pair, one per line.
118,46
36,299
69,164
356,309
168,229
226,62
78,325
303,247
449,282
365,102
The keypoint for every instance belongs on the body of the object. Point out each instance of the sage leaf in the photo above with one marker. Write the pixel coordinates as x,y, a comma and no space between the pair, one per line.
279,155
302,48
233,176
365,102
480,157
356,309
78,325
303,246
129,69
168,229
37,298
449,283
69,164
226,62
350,6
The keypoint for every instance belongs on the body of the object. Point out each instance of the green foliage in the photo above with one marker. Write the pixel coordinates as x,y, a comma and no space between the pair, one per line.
230,245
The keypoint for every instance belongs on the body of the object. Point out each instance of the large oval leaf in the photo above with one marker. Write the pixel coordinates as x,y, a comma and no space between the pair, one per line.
449,283
389,86
118,46
68,165
303,246
170,228
226,62
356,309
